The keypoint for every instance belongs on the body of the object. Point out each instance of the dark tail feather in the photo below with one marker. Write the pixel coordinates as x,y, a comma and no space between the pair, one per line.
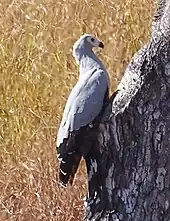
68,168
69,156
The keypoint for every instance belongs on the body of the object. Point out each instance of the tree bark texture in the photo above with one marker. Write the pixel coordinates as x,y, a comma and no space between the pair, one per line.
128,163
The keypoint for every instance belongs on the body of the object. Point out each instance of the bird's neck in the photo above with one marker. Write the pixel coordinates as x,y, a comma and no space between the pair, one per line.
88,62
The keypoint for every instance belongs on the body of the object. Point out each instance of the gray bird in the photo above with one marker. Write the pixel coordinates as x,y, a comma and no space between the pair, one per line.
84,104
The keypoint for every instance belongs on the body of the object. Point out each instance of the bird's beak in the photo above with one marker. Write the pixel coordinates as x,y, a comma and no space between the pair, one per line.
101,45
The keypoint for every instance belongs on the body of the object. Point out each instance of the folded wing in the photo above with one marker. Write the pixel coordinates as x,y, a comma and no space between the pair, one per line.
84,103
83,106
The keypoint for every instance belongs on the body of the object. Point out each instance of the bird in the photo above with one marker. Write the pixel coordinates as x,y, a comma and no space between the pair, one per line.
85,103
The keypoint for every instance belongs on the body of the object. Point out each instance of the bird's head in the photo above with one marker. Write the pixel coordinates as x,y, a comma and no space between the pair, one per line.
85,44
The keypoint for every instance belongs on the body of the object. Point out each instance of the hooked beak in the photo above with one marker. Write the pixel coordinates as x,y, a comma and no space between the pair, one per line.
101,45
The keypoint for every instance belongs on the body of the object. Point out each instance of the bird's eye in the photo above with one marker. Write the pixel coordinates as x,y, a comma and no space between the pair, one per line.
92,39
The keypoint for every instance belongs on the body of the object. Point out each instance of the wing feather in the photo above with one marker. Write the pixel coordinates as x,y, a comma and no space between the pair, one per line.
84,102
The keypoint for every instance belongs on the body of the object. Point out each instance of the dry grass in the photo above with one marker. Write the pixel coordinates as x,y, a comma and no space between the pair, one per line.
36,73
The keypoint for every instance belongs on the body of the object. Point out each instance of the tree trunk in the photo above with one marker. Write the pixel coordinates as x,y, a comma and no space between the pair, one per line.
129,161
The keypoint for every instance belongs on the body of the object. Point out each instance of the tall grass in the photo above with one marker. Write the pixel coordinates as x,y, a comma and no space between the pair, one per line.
37,71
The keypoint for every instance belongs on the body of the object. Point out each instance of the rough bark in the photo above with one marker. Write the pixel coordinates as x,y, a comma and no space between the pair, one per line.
129,162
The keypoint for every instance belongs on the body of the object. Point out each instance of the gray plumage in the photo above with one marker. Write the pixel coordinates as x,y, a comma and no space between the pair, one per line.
85,100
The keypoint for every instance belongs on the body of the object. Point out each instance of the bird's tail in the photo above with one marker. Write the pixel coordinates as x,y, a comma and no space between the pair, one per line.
69,157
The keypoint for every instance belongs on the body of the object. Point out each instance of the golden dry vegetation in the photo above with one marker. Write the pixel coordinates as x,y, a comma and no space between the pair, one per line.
36,73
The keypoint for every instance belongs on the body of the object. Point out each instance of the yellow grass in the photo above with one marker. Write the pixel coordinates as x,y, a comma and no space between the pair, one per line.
37,72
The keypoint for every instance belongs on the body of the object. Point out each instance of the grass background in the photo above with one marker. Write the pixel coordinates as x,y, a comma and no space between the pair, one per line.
37,71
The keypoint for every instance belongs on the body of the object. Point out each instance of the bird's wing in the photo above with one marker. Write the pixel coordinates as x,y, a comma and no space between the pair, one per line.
84,103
